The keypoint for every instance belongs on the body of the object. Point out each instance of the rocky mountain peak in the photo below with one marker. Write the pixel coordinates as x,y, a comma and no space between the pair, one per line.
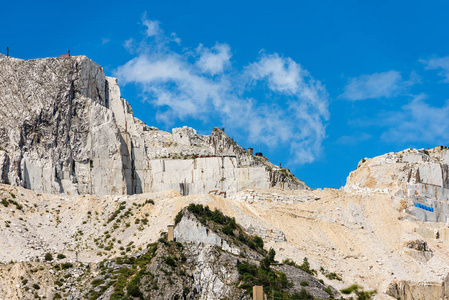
419,175
65,128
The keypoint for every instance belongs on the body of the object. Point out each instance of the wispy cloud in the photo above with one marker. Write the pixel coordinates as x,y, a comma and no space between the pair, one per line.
417,122
202,84
378,85
129,45
441,64
105,40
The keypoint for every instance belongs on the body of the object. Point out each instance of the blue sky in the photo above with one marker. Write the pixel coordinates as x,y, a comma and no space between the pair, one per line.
318,85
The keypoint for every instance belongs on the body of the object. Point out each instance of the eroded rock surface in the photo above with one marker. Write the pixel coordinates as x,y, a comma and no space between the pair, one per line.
419,176
64,128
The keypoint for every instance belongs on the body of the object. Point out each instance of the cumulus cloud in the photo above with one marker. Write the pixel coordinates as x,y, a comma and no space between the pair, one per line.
283,75
214,60
201,84
377,85
441,64
418,122
170,82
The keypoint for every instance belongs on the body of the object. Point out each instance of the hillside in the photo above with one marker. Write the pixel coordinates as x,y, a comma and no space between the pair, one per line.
219,264
365,238
87,192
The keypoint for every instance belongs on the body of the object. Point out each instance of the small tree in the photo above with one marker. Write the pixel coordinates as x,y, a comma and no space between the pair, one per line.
271,255
306,267
258,241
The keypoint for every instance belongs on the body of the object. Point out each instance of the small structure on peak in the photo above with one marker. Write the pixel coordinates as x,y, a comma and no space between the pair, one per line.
66,55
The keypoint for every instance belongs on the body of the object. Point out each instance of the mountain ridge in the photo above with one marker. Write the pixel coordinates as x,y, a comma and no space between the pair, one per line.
65,126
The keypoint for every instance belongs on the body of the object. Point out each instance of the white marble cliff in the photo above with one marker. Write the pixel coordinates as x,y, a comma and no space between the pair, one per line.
64,128
421,176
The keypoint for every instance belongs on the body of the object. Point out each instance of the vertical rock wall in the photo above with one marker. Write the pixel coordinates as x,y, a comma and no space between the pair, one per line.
64,128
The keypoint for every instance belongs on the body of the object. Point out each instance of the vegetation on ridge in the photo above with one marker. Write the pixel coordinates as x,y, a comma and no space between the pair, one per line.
227,225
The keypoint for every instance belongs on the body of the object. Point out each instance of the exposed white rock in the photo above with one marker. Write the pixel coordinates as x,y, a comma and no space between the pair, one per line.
421,176
189,230
66,129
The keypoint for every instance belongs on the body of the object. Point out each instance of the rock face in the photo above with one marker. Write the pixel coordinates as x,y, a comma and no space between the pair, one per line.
64,128
419,176
189,230
415,291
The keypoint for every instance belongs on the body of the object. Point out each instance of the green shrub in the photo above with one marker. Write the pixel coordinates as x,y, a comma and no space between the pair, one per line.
228,230
271,255
179,217
306,267
60,256
302,295
57,296
350,289
170,261
66,266
58,283
133,287
18,206
36,286
97,282
304,283
48,256
333,276
241,237
360,293
258,241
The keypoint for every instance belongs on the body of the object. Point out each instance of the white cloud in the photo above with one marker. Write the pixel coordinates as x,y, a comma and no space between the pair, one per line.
283,75
175,38
214,60
170,81
105,40
418,122
152,27
441,64
129,45
203,85
378,85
